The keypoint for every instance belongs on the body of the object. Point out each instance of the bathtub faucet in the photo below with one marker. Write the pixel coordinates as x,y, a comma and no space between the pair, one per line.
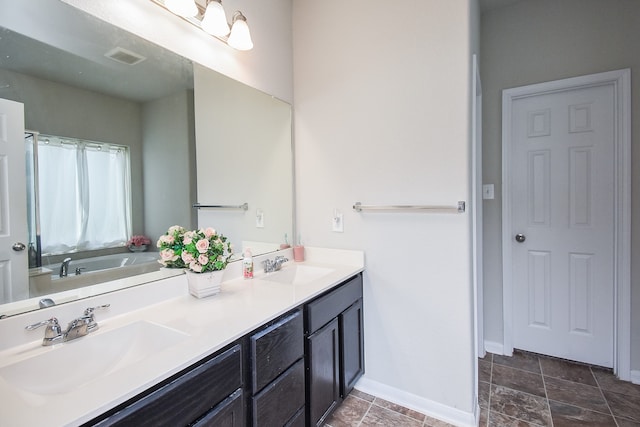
64,267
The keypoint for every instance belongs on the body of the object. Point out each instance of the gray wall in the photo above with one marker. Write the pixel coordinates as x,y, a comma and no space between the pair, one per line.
534,41
61,110
168,164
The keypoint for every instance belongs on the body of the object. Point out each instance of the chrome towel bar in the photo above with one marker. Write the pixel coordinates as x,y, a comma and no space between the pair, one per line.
244,206
460,208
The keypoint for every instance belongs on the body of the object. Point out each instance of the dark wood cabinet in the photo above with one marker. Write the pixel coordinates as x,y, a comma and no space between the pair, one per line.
188,397
228,413
292,372
352,347
334,348
277,371
323,358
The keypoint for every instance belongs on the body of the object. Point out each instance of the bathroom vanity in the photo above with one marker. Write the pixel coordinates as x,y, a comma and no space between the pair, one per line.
257,354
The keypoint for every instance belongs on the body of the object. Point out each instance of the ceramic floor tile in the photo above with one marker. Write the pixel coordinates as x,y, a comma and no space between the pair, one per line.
623,422
623,406
517,379
484,389
567,371
520,405
484,417
582,395
484,371
432,422
349,413
399,409
520,360
362,395
381,417
608,381
571,416
497,419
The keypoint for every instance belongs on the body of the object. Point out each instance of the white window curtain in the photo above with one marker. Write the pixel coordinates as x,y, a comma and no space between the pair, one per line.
85,194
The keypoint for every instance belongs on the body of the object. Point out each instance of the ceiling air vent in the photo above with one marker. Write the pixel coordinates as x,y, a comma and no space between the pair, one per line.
124,56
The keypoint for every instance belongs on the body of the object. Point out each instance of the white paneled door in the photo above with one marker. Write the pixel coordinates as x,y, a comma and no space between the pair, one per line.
562,223
14,280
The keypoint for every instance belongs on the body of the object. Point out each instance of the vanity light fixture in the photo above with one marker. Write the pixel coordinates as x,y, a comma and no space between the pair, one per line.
213,20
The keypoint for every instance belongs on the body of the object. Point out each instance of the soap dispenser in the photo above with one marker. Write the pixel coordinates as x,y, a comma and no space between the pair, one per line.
247,264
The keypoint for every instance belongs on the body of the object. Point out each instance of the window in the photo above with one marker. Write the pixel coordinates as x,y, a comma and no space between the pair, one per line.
84,194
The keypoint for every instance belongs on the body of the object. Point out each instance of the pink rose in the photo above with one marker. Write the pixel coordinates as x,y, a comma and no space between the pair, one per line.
168,255
187,257
202,245
188,237
175,228
203,259
208,232
195,267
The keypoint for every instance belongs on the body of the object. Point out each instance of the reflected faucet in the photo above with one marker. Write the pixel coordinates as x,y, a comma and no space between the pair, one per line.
64,267
275,265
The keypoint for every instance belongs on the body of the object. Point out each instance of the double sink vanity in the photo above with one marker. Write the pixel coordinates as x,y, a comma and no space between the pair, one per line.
281,349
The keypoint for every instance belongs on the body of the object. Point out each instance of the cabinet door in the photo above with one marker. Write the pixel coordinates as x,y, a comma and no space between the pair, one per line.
229,413
352,347
324,372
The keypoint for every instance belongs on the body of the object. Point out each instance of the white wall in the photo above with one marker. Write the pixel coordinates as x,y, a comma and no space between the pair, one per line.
541,40
266,67
243,137
382,116
168,156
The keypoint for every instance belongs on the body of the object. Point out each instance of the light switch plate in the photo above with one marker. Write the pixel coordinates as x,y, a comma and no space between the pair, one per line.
338,222
487,192
259,218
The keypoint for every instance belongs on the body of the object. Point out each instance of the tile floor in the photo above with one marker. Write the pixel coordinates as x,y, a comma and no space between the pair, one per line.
530,390
525,390
364,410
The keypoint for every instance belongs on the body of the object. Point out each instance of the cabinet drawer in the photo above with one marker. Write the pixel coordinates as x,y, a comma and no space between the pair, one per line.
280,400
228,413
275,348
188,397
324,309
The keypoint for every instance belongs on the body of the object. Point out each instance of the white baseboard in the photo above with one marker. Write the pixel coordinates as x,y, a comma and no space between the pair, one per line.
635,377
494,347
425,406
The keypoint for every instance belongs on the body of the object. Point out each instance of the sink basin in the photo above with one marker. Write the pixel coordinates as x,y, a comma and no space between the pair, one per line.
70,365
297,274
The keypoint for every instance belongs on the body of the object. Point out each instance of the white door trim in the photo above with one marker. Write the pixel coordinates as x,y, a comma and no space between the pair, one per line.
621,80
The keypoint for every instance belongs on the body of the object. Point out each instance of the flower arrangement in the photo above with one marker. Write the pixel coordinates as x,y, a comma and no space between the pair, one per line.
138,240
199,250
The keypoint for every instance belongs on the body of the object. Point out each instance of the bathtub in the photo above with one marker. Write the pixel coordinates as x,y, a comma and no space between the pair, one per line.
95,270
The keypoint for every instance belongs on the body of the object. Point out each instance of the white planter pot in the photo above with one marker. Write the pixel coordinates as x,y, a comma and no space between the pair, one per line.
204,284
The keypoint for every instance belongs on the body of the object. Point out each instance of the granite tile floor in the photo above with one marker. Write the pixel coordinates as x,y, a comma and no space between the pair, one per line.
364,410
525,390
531,390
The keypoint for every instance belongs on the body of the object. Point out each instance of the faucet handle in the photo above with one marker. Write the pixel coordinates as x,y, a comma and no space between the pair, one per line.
89,311
51,334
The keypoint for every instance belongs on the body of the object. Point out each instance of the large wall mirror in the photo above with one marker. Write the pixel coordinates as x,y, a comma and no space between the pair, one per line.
194,137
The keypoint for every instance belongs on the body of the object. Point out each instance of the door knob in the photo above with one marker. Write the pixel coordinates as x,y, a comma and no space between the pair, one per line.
18,247
520,238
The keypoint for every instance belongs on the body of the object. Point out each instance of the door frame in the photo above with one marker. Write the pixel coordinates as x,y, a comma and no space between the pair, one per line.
621,81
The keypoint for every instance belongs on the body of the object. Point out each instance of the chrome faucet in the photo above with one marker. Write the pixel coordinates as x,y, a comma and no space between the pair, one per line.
77,328
64,267
275,265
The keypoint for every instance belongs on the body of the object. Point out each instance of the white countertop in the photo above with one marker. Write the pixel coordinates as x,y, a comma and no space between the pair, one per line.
210,323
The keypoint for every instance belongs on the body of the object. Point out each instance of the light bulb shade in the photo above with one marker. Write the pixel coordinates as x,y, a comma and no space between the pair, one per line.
240,37
215,20
184,8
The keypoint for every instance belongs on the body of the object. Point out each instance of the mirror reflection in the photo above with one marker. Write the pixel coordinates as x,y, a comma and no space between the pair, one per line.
90,88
